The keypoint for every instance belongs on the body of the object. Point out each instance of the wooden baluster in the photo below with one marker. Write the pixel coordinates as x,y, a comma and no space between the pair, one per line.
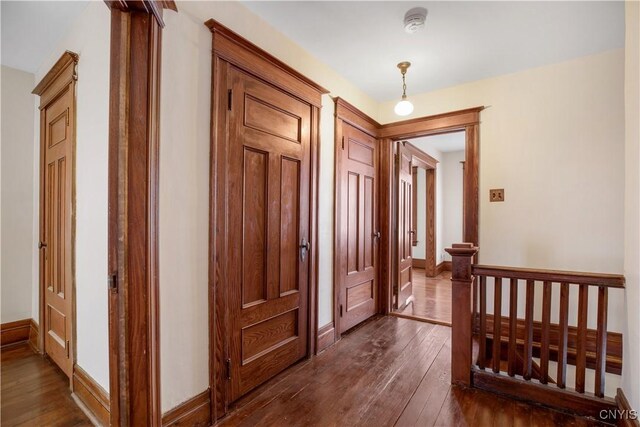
461,312
581,345
497,323
563,332
528,331
601,341
544,339
482,346
513,325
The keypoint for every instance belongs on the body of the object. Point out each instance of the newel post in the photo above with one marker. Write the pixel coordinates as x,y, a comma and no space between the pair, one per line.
462,311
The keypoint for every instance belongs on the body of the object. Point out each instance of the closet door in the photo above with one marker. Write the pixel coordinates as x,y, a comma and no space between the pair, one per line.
268,230
359,234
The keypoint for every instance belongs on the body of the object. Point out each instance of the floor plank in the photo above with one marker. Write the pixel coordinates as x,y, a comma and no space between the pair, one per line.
390,371
35,392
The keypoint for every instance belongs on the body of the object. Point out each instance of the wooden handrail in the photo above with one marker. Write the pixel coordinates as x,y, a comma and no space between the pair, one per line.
515,342
593,279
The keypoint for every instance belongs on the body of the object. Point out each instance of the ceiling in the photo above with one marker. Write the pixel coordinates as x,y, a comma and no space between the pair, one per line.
444,143
31,30
463,40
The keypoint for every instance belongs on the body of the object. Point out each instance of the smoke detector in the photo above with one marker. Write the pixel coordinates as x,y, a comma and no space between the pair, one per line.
414,19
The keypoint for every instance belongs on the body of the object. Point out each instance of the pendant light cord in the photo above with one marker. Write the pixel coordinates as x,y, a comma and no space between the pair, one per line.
404,86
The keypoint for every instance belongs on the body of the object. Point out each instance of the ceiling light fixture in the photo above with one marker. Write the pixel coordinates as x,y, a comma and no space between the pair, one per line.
404,107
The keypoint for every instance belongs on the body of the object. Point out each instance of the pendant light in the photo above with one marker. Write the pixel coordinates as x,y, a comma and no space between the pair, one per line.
404,107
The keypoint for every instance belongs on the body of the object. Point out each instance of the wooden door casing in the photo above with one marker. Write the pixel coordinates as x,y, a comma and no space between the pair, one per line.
57,145
405,223
358,296
268,271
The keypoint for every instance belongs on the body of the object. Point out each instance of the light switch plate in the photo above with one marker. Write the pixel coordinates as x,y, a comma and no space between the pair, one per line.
496,195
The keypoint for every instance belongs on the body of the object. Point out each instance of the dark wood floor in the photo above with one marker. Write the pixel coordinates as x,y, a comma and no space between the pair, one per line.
431,297
390,371
35,392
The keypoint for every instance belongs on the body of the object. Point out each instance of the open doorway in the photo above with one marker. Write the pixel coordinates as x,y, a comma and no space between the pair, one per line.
429,222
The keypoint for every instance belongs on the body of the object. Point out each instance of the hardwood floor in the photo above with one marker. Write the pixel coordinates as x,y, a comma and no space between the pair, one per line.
431,297
35,392
389,371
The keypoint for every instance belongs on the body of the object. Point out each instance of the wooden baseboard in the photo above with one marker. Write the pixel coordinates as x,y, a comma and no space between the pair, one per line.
547,395
194,412
34,333
326,337
14,332
92,395
627,417
443,266
418,263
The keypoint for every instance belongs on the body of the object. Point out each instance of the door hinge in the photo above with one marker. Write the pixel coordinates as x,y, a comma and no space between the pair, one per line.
67,349
228,369
113,283
340,310
229,99
343,142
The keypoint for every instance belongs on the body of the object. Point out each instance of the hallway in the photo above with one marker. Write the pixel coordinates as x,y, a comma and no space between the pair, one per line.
35,392
390,371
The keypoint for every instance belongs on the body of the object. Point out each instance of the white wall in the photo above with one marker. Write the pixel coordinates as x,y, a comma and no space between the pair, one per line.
451,200
184,209
631,370
89,37
325,212
17,179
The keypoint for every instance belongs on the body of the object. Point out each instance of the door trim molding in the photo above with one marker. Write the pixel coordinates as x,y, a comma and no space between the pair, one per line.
229,48
134,114
61,77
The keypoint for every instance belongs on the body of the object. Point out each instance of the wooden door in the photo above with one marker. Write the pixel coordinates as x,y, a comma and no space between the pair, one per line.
57,139
360,233
268,223
405,231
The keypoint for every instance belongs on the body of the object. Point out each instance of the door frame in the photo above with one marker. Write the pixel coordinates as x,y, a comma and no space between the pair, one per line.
229,48
133,175
467,120
62,76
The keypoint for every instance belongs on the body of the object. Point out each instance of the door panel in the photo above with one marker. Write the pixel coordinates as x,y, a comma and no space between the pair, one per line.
358,288
268,202
405,231
57,133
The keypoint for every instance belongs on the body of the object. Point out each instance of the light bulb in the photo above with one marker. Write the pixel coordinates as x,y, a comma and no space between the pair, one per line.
403,108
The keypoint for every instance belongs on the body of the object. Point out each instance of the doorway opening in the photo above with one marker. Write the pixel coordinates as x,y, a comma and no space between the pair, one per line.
430,218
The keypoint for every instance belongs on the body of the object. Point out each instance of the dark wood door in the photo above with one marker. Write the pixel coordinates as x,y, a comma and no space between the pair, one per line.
57,129
268,223
359,284
405,231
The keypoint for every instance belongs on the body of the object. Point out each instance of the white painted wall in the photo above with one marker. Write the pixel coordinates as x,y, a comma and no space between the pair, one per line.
631,369
184,209
325,212
17,210
451,200
89,36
